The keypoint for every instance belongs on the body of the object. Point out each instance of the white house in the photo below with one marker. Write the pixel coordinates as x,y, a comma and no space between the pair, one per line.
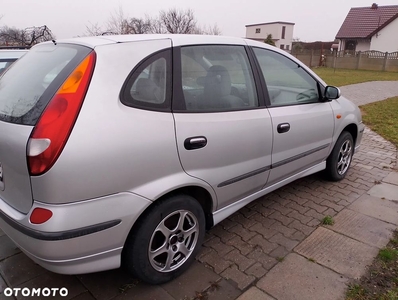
370,28
282,33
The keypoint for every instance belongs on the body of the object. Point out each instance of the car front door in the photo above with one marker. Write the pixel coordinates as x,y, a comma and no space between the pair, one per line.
303,124
223,135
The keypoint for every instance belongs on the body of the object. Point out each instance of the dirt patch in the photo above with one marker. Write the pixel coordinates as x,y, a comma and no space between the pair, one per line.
381,280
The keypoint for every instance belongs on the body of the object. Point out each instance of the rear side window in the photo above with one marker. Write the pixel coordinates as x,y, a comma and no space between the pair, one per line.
30,83
149,85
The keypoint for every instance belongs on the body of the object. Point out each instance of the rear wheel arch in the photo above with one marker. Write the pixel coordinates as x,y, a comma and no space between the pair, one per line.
200,194
176,202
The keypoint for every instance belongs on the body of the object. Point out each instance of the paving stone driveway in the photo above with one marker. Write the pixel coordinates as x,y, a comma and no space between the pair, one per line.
238,252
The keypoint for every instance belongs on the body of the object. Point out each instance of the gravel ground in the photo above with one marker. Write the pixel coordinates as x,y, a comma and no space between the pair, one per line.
367,92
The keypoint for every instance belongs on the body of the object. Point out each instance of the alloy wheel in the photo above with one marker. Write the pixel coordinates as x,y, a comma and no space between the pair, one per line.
173,241
345,156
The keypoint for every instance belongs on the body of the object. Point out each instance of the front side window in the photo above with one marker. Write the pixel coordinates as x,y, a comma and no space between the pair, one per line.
287,82
147,87
217,78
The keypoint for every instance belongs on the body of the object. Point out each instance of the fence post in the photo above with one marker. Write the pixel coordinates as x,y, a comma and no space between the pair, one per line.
334,61
385,61
358,59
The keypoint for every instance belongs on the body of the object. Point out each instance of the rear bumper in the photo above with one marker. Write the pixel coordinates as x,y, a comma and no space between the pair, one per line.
82,237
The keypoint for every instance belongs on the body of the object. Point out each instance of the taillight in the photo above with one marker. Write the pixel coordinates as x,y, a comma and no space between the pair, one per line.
51,132
40,215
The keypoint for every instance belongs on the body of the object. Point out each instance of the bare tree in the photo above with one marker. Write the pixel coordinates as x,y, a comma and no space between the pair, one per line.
157,26
118,23
209,30
170,21
94,29
25,37
139,26
178,21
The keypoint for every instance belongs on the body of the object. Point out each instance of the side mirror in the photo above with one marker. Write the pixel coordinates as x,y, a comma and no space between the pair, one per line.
332,93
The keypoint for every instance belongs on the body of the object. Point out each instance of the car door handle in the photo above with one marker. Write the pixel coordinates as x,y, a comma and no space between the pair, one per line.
283,127
195,142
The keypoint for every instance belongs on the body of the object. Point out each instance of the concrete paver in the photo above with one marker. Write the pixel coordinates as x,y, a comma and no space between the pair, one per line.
145,292
106,285
4,297
385,190
18,269
224,290
298,278
376,207
363,228
3,284
196,279
84,296
337,252
240,278
255,294
392,178
7,247
51,280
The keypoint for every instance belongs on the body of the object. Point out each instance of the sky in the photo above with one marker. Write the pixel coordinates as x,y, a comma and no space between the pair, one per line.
315,20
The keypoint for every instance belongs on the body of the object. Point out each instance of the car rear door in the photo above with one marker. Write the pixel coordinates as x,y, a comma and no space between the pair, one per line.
303,124
223,136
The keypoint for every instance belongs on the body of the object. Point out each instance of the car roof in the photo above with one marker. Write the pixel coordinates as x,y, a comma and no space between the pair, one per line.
12,53
176,39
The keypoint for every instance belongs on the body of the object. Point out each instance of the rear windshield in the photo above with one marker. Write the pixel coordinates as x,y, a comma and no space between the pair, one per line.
30,83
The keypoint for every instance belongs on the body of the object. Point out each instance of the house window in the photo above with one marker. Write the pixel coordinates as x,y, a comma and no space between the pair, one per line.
258,30
288,47
282,46
283,32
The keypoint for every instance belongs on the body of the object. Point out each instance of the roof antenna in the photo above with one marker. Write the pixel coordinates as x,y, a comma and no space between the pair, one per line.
55,42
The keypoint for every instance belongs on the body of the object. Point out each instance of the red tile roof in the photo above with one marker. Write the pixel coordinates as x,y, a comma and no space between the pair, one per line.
364,22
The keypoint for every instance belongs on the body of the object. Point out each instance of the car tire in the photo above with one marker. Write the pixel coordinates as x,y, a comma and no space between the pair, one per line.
166,240
339,160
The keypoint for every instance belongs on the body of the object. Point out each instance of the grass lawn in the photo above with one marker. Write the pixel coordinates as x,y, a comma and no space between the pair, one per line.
382,117
381,280
340,77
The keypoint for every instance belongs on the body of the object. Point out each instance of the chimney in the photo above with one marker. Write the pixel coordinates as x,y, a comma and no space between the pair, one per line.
374,6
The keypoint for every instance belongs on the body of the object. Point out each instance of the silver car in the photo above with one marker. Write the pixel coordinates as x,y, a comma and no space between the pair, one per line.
123,150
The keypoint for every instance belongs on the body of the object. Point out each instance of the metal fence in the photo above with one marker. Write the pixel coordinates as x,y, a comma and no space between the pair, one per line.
365,60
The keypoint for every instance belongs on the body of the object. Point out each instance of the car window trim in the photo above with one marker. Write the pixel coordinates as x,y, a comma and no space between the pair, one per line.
125,96
178,99
320,86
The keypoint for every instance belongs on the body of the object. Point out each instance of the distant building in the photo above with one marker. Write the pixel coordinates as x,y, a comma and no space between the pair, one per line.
282,33
370,28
